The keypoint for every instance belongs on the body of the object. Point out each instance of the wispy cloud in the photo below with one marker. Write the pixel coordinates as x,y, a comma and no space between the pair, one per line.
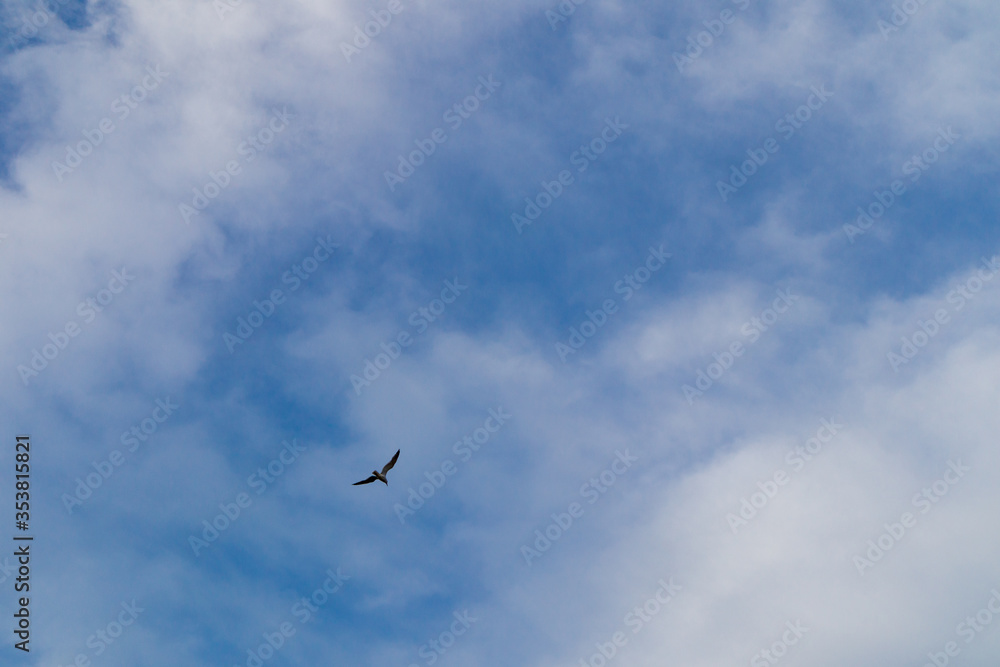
722,273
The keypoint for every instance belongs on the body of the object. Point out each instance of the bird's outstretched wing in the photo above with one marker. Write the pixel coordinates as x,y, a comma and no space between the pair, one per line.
388,466
366,481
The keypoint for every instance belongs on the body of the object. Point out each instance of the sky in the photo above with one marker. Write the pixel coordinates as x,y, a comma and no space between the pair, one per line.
683,316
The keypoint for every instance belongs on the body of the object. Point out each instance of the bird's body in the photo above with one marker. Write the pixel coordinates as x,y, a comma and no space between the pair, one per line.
380,476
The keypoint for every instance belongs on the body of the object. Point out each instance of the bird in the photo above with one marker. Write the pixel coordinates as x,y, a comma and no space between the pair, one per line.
380,475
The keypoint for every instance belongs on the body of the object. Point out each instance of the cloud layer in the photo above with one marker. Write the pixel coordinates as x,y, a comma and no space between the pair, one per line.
683,316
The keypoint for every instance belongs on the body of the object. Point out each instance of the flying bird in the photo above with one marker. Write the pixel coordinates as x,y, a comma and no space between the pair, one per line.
380,475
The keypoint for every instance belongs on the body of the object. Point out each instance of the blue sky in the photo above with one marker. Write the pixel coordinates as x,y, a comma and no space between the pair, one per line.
723,458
